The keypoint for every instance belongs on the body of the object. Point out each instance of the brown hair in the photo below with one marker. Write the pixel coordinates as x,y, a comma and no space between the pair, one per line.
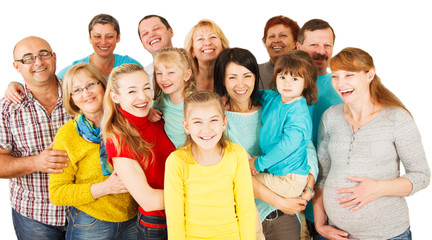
116,127
181,58
299,63
204,97
104,19
357,60
312,25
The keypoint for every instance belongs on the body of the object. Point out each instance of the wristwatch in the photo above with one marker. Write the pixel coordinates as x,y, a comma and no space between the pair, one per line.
310,190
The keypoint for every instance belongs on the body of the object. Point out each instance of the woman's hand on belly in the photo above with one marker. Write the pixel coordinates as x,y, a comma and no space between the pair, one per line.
366,191
331,232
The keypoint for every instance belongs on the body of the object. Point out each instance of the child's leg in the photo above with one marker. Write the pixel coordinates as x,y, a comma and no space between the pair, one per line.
291,185
259,231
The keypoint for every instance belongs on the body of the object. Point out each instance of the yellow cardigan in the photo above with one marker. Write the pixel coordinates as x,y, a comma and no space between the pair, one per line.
72,186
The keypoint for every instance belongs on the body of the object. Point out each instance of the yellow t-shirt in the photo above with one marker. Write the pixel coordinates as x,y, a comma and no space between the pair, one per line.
72,186
209,202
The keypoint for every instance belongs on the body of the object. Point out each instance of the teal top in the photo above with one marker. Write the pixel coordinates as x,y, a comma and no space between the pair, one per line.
119,60
173,116
284,136
245,131
327,97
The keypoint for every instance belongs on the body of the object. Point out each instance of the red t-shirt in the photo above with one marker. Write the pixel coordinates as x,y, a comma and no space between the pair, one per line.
153,133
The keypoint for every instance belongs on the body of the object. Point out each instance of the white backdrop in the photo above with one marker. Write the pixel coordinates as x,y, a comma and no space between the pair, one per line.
397,34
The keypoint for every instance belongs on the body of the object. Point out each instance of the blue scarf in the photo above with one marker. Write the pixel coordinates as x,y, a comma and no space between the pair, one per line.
90,132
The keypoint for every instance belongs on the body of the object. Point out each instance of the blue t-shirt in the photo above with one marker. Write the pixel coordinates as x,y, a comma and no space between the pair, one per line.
119,60
284,136
327,97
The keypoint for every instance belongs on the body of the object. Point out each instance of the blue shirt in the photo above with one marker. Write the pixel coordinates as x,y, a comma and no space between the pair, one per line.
284,136
327,97
119,60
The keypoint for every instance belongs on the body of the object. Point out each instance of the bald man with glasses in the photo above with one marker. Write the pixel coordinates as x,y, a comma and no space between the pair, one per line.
27,131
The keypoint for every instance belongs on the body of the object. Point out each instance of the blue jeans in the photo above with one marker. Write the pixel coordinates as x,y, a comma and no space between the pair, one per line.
26,228
151,233
404,236
83,226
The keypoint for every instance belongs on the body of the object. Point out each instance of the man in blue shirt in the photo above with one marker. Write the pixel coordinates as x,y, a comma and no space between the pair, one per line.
317,37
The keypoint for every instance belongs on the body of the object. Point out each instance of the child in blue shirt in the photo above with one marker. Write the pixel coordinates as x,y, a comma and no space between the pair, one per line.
287,125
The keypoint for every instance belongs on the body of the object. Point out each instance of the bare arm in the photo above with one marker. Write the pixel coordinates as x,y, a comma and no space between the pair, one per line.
369,190
286,205
49,161
133,177
13,91
112,185
320,216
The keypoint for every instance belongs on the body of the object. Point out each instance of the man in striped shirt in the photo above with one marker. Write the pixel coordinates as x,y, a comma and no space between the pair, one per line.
27,131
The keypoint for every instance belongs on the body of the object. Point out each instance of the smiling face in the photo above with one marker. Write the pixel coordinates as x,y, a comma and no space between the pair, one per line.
289,86
39,72
104,39
239,83
278,41
134,93
319,45
154,35
90,101
353,87
205,124
206,45
171,78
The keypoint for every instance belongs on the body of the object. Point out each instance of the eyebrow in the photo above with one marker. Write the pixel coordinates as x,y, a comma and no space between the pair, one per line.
31,54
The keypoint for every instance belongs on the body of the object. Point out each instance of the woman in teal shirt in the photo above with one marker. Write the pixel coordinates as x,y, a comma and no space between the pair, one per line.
236,79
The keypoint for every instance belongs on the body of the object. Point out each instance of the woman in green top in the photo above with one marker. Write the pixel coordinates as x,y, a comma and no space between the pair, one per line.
236,79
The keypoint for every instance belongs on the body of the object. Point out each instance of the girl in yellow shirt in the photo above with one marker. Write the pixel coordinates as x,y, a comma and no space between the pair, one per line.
208,188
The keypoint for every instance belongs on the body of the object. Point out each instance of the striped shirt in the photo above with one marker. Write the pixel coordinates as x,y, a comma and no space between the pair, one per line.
27,129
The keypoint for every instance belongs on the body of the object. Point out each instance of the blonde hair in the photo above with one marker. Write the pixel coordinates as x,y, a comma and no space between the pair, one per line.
70,76
116,127
181,58
206,24
204,97
357,60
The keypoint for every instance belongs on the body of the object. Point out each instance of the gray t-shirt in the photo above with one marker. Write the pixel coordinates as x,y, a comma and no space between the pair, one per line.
375,152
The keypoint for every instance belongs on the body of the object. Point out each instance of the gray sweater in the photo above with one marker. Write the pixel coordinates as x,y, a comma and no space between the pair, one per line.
374,151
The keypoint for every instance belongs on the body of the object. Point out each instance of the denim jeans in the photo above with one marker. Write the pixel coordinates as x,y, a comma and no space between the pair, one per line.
151,233
404,236
83,226
29,229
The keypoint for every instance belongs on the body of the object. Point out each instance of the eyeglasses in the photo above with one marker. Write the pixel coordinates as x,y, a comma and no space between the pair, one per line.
89,87
31,59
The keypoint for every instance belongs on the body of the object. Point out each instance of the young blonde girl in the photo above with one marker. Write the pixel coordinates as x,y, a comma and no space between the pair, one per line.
208,188
174,80
136,147
287,126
